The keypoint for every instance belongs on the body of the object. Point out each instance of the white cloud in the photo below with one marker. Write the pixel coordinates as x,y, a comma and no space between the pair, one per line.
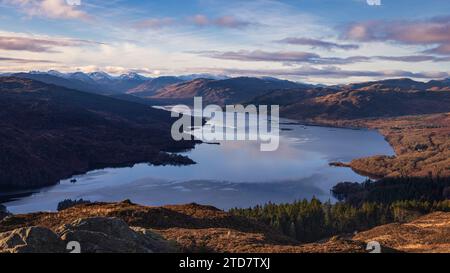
55,9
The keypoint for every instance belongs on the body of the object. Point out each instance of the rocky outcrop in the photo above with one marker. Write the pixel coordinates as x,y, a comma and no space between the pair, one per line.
92,235
112,235
31,240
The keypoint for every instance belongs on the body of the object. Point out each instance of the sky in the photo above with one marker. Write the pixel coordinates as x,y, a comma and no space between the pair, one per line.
314,41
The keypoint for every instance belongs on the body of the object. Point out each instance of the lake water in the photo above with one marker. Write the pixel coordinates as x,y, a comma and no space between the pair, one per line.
232,174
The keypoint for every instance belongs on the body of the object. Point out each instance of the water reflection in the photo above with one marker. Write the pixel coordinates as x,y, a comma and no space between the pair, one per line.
232,174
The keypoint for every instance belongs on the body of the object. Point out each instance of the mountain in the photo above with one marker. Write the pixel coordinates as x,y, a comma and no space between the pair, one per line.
439,85
56,73
112,85
96,82
228,91
50,132
404,84
387,98
357,104
81,77
202,76
286,97
78,81
133,77
125,82
150,87
100,77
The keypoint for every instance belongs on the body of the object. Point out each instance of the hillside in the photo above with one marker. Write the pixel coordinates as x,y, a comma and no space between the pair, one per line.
189,228
427,234
404,84
126,227
421,143
228,91
380,99
152,86
50,133
357,104
73,83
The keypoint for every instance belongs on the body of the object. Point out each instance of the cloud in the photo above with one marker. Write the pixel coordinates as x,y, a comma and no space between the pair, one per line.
54,9
413,58
154,23
315,43
443,49
198,20
224,21
23,61
290,57
331,72
39,44
429,32
259,55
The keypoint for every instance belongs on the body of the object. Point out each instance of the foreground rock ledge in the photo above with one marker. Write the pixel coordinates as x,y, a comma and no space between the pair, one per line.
128,228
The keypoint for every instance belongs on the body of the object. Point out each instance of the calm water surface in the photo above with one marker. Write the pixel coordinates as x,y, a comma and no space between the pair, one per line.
232,174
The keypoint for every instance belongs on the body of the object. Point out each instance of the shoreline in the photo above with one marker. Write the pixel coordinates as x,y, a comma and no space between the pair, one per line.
402,133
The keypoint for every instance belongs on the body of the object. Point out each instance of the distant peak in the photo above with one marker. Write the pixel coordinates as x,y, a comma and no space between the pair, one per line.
100,75
132,76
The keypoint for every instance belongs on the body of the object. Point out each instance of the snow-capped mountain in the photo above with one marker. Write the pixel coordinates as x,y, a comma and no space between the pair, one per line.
100,76
132,76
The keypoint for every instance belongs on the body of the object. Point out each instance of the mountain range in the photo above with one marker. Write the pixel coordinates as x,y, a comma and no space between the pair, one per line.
103,83
218,88
387,98
96,82
226,90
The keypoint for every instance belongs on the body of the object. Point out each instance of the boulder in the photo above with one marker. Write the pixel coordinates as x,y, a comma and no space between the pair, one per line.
31,240
112,235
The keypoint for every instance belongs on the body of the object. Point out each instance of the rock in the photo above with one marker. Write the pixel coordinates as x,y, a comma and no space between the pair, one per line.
111,235
31,240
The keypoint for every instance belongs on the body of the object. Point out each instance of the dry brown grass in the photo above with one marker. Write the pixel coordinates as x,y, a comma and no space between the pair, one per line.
196,228
192,228
421,144
430,234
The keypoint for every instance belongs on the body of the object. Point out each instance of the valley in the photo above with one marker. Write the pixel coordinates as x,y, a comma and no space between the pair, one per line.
58,133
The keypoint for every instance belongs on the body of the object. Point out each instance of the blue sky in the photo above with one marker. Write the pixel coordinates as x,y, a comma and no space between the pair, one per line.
320,41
